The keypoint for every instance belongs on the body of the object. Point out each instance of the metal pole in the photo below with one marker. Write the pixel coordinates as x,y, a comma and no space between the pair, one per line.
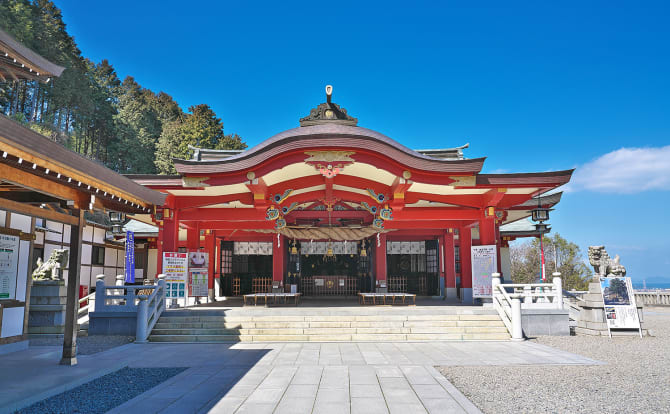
544,279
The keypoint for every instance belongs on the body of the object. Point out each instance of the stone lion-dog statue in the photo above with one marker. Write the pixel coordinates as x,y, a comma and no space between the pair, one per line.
52,269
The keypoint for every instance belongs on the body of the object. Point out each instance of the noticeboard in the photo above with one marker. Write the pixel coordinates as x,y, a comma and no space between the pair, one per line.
198,266
9,264
484,263
619,300
175,268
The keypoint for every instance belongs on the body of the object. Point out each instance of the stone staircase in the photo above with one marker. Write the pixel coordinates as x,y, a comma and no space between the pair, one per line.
430,323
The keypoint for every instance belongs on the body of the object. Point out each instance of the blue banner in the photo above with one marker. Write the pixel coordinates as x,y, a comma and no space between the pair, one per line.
130,257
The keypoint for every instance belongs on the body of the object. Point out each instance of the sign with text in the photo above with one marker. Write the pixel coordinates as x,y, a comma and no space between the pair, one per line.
484,263
175,268
619,300
9,265
130,257
198,267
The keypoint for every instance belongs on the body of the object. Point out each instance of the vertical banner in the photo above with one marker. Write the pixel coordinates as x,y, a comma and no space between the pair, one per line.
198,267
484,263
9,265
130,257
175,268
619,300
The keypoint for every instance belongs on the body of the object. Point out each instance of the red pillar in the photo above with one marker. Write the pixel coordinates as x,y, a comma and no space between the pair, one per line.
210,249
465,237
449,264
380,261
168,238
278,258
193,238
489,234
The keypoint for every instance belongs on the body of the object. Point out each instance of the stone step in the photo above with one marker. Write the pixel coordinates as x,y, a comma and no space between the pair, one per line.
331,338
328,331
330,318
161,324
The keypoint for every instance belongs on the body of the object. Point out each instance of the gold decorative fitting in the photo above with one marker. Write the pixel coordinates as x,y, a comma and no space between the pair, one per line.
251,175
406,175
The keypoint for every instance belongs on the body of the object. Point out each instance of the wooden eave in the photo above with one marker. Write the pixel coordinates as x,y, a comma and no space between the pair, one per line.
51,161
24,63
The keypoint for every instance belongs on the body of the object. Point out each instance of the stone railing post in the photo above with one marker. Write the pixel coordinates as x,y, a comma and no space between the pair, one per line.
527,294
162,287
558,289
118,292
142,320
495,281
517,330
99,293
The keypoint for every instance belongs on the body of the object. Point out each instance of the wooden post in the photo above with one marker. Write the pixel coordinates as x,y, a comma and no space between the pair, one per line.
72,305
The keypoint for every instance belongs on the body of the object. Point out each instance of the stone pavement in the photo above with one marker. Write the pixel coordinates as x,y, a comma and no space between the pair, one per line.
282,377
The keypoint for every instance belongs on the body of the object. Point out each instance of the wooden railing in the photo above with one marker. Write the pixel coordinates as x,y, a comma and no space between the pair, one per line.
657,298
509,299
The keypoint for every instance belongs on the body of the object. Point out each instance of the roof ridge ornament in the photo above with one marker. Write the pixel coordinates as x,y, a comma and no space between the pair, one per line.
328,113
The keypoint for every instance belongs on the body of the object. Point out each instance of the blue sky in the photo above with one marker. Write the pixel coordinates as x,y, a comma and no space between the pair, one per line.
533,86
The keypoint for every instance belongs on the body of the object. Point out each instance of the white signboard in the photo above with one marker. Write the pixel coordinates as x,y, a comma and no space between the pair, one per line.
484,263
619,299
175,268
9,262
198,267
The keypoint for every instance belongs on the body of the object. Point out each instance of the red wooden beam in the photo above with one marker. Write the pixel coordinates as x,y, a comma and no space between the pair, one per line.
185,202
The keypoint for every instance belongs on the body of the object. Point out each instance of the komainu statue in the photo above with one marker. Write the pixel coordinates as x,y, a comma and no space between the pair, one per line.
603,264
52,269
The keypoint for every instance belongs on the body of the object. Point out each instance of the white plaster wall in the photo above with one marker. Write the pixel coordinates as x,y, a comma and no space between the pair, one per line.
66,233
85,275
152,263
182,235
57,227
87,235
20,222
86,254
121,258
39,237
3,216
12,322
110,257
98,235
95,271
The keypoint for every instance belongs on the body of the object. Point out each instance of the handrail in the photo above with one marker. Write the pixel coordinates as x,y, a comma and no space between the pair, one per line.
524,295
149,310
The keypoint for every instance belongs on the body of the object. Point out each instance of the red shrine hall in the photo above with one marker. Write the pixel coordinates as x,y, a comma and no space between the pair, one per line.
331,208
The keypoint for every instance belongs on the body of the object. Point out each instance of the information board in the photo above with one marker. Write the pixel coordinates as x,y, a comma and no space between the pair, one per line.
9,265
619,300
198,267
484,263
175,268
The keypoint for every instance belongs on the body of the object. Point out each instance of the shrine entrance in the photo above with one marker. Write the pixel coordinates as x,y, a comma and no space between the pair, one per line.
330,268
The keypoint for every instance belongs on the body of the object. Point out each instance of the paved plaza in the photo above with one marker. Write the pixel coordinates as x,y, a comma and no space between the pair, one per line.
279,377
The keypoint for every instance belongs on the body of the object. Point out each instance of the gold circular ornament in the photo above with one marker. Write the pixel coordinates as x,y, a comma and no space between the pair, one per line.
330,114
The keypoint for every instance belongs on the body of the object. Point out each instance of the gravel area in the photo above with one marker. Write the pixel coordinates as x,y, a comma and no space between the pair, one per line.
87,345
104,393
636,378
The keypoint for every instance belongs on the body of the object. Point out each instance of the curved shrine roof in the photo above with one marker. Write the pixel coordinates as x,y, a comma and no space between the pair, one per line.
330,136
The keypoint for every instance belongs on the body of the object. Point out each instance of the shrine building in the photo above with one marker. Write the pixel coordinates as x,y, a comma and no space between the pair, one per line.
330,208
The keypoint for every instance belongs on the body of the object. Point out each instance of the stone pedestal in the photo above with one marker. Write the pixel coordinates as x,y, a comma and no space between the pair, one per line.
47,307
592,315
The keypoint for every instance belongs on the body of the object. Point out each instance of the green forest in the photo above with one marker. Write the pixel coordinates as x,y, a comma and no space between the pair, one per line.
90,110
